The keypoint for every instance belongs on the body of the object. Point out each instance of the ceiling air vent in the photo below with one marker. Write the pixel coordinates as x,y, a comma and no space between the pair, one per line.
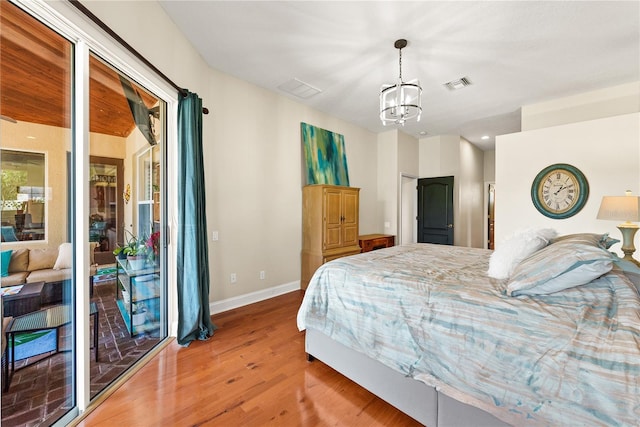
299,88
458,84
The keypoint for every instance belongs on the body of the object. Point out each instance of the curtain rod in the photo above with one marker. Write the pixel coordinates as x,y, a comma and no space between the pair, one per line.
127,46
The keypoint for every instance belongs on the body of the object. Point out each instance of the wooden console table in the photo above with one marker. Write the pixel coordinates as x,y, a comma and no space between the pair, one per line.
371,242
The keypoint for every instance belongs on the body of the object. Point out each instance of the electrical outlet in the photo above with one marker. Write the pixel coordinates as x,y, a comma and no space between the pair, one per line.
215,236
262,275
234,278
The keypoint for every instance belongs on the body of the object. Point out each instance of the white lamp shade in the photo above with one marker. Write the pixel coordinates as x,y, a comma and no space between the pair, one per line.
620,208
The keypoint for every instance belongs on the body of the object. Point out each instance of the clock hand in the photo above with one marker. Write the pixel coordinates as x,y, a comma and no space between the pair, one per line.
559,190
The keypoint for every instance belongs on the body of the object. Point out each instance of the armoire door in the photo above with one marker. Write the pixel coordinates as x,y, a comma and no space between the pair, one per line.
332,217
350,217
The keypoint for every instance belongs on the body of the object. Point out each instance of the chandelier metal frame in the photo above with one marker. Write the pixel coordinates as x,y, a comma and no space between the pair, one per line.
401,101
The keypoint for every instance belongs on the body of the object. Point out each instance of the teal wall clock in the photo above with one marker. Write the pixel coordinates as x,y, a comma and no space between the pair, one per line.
559,191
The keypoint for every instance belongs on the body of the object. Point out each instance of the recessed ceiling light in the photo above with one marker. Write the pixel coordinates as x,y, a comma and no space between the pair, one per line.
458,84
31,137
423,133
485,137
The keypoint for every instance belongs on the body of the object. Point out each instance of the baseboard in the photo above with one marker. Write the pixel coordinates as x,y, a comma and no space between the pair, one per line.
246,299
242,300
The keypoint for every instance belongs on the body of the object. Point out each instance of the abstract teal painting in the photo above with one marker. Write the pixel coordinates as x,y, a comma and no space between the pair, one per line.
324,155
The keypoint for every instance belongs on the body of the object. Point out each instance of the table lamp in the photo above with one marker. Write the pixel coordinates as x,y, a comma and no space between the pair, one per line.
627,209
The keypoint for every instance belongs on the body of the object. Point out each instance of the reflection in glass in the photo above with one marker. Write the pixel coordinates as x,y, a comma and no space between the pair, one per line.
105,206
37,205
23,195
125,215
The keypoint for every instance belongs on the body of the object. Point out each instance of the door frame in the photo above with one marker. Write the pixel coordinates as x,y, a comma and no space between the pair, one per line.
407,208
119,164
485,229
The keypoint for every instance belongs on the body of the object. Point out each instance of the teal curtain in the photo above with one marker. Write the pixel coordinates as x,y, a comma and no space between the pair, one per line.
194,318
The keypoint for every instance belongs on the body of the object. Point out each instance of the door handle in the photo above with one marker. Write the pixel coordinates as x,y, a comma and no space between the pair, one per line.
449,225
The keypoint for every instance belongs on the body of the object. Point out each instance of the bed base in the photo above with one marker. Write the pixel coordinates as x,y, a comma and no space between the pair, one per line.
416,399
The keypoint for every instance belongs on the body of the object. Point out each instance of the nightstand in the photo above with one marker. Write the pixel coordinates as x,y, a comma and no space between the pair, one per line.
371,242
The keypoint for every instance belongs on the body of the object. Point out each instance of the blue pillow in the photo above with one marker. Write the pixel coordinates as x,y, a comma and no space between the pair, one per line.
561,265
6,258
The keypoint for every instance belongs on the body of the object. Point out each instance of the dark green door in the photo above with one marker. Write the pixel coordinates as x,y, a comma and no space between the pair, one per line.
435,210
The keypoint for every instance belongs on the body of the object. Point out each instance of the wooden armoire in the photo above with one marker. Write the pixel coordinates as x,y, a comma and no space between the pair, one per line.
329,226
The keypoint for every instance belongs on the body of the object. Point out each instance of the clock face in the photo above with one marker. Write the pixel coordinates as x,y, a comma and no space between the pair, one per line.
559,191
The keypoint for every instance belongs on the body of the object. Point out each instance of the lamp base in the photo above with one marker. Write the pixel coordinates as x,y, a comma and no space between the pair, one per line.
628,232
628,257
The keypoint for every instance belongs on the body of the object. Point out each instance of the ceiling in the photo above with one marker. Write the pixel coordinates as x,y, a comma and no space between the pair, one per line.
515,53
35,79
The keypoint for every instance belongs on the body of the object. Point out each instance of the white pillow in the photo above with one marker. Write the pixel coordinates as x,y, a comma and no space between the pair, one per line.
515,248
65,257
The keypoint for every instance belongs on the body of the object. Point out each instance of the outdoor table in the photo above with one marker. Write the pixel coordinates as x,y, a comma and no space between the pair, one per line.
49,318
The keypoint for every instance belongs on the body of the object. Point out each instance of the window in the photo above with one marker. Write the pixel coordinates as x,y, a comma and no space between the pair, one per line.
149,191
23,195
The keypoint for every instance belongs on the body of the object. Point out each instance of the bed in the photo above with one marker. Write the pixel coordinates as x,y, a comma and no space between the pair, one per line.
426,329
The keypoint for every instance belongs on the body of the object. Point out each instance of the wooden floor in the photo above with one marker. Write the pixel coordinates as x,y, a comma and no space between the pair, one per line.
252,372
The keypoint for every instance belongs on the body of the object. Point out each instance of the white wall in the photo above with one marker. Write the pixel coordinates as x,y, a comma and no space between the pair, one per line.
606,150
598,104
408,170
408,154
387,171
439,156
469,225
397,154
490,166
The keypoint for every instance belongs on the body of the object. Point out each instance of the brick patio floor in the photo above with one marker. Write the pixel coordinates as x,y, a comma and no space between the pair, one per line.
38,395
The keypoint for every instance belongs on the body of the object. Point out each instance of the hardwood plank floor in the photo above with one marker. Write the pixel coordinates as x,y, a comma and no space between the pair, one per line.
252,372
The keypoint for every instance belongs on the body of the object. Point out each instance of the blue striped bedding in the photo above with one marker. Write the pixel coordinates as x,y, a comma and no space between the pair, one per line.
430,312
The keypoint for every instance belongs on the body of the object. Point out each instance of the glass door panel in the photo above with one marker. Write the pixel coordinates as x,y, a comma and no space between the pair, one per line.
38,203
131,284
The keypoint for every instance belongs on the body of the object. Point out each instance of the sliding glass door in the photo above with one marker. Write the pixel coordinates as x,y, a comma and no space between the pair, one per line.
83,157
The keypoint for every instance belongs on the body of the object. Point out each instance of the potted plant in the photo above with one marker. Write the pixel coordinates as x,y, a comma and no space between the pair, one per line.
134,250
119,251
136,255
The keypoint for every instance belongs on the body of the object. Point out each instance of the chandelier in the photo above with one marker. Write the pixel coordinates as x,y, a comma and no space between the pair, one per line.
401,101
